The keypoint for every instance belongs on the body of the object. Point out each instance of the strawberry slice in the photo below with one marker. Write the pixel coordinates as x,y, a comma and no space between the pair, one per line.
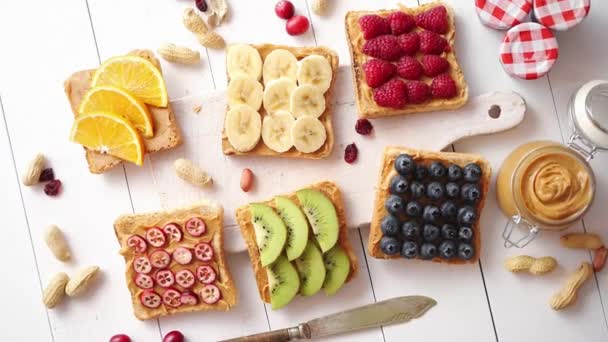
196,226
137,243
182,255
184,278
203,251
206,274
189,298
155,237
142,265
173,232
160,258
210,294
150,299
172,298
165,278
144,281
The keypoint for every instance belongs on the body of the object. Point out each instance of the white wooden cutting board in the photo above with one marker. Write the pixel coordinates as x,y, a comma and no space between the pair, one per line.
273,176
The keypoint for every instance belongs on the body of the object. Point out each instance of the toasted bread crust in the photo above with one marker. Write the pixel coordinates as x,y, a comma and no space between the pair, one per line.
243,217
326,118
387,171
364,94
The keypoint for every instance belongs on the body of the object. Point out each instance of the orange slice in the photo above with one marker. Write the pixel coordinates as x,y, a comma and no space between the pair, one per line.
115,100
109,133
136,75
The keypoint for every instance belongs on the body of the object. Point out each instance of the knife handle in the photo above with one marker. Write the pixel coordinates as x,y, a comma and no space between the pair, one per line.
282,335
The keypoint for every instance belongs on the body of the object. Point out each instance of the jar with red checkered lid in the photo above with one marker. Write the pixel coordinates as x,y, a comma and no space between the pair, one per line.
560,15
502,14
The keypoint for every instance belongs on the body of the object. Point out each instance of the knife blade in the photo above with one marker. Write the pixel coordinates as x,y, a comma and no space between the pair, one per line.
391,311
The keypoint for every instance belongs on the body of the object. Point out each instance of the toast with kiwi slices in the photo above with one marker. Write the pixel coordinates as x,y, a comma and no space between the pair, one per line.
298,243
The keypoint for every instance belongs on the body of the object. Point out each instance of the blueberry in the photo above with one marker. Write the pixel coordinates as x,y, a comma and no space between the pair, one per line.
409,249
470,192
428,251
465,234
435,191
449,211
421,172
430,233
454,172
417,189
472,173
390,245
399,185
413,209
465,251
405,164
466,215
436,170
411,230
431,214
390,226
447,249
394,205
452,190
449,232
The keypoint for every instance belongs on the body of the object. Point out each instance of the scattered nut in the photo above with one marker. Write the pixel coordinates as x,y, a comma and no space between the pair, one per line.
217,12
197,109
191,173
55,290
56,242
246,180
536,266
178,54
195,24
212,40
33,171
319,7
81,281
581,240
567,295
599,259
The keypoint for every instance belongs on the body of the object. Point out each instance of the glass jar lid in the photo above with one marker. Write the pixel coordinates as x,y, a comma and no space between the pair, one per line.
588,113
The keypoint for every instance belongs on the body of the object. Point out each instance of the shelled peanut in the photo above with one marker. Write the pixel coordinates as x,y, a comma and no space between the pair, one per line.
525,263
599,259
581,241
567,295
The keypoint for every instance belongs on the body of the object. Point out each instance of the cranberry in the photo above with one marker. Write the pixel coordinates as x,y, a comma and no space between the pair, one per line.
201,5
174,336
363,127
284,9
350,153
297,25
120,338
47,175
52,188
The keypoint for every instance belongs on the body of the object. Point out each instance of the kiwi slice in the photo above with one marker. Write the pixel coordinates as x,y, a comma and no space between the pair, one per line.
311,269
270,232
337,265
322,216
297,226
283,281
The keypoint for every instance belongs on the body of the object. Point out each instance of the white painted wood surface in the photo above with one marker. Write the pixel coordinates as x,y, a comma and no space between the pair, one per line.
42,43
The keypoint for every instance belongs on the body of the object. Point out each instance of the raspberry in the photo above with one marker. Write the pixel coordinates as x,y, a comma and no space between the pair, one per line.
350,153
433,65
401,22
409,42
377,72
391,94
409,68
363,127
46,175
432,44
384,47
373,26
417,91
52,188
435,19
443,87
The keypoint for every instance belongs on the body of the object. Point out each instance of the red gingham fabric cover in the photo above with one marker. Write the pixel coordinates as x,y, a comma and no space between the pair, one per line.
528,51
561,15
502,14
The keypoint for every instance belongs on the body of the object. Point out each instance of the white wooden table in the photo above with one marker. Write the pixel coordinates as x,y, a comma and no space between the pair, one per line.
43,42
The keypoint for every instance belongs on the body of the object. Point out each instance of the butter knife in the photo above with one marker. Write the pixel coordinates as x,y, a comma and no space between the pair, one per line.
391,311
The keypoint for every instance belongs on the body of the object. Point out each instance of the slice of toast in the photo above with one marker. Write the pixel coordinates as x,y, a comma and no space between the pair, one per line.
387,171
166,131
326,118
129,225
364,94
243,217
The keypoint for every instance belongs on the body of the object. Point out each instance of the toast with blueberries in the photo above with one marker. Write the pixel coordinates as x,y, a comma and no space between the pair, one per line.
428,206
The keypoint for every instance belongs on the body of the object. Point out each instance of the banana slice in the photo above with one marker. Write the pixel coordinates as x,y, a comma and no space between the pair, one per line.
308,100
243,128
308,134
279,63
315,70
243,59
245,90
276,131
277,93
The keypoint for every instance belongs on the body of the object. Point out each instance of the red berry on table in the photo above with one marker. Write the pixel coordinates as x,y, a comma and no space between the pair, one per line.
53,187
433,65
392,94
409,68
443,87
120,338
417,92
284,9
174,336
401,22
384,47
201,5
350,153
297,25
46,175
373,26
435,19
377,72
409,42
363,127
432,44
